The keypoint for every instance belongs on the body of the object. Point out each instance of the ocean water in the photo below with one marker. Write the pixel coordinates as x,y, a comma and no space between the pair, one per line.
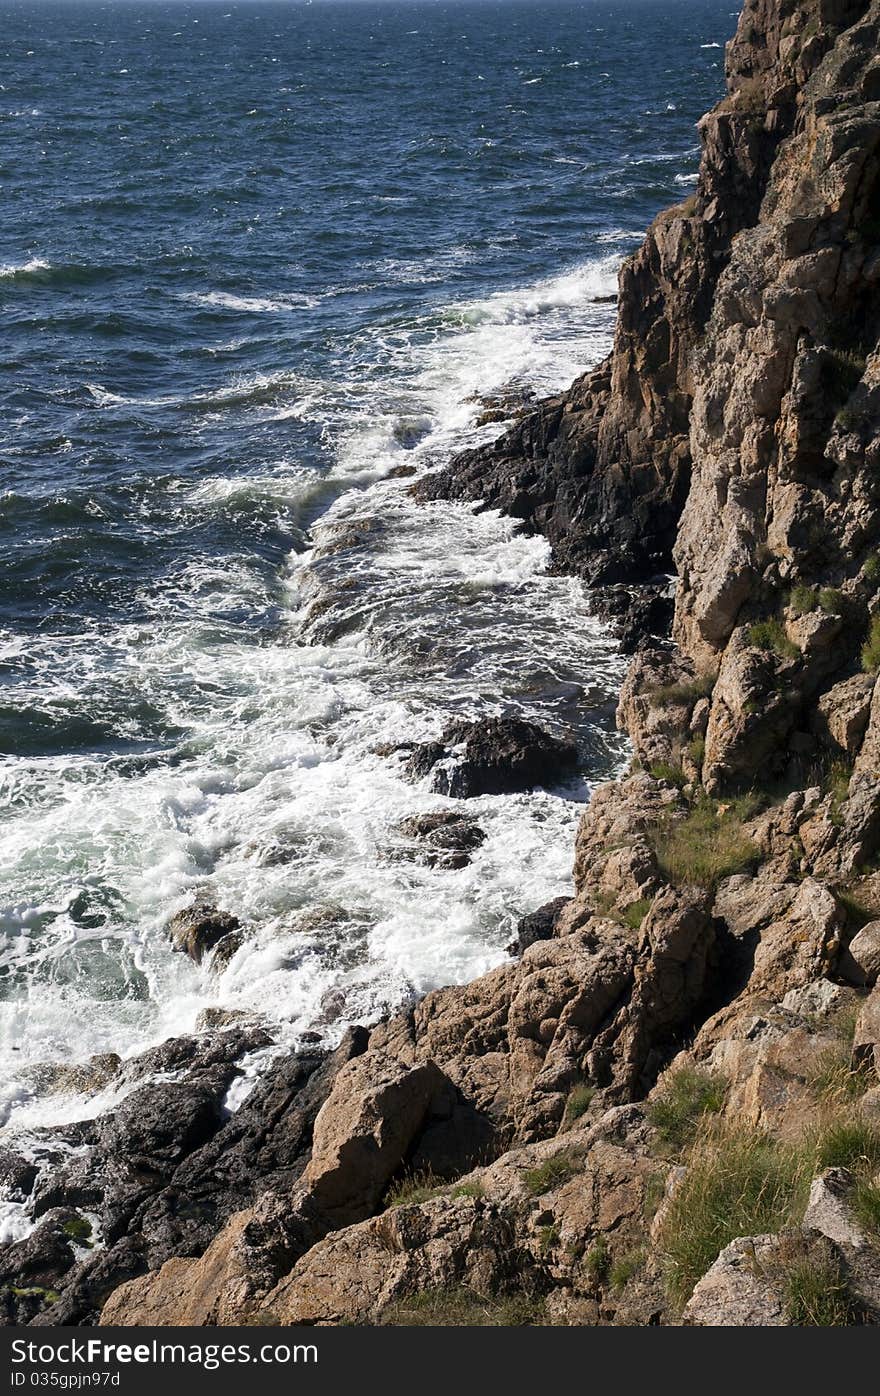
253,259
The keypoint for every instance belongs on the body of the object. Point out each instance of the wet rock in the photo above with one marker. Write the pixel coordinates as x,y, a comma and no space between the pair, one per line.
538,925
492,756
165,1184
447,840
214,1019
17,1173
32,1270
57,1078
200,928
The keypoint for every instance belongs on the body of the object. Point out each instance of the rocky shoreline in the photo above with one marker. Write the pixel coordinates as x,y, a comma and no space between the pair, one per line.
665,1108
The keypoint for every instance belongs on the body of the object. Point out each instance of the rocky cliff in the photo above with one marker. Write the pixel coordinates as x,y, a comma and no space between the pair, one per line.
666,1107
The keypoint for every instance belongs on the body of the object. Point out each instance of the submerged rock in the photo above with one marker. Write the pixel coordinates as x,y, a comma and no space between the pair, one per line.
200,928
492,756
444,839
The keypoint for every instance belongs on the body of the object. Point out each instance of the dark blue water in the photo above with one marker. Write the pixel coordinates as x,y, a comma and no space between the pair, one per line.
253,257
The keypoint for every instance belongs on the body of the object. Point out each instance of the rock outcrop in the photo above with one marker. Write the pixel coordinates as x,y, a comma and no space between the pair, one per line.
665,1108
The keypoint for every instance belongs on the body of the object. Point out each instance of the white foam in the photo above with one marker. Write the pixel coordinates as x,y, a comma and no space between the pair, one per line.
254,305
277,801
9,270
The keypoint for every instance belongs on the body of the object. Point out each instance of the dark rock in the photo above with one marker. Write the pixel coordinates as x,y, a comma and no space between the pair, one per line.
447,840
17,1174
498,755
32,1270
538,925
199,928
168,1169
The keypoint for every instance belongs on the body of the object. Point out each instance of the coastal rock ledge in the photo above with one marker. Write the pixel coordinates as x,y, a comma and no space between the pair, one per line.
666,1109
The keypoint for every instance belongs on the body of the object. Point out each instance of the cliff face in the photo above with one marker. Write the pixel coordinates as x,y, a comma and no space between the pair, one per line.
604,470
667,1107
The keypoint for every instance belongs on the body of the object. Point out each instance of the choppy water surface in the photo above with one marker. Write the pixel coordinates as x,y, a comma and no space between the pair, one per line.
252,259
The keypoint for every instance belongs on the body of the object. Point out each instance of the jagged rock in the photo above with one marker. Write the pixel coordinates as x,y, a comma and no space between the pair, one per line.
364,1131
200,928
842,714
860,962
493,756
657,700
741,1289
355,1274
866,1042
735,429
57,1078
828,1212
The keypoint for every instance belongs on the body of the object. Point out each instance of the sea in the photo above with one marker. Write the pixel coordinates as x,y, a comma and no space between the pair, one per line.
254,259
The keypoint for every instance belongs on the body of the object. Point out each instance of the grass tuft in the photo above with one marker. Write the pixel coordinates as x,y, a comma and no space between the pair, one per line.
803,599
706,846
852,1143
624,1268
687,1097
666,770
464,1308
414,1188
579,1100
871,648
832,601
866,1205
598,1261
474,1189
739,1182
684,693
816,1294
552,1173
770,635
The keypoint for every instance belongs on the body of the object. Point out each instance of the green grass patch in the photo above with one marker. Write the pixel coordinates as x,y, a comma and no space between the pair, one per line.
635,913
803,599
705,846
474,1189
697,751
866,1205
871,568
597,1261
579,1100
624,1267
739,1182
684,693
851,1143
770,635
552,1173
816,1294
871,648
548,1237
835,1077
832,601
687,1096
461,1307
414,1188
666,770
